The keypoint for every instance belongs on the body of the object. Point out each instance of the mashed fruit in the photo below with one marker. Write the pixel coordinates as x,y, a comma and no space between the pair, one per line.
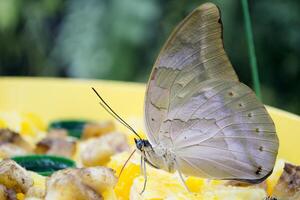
160,184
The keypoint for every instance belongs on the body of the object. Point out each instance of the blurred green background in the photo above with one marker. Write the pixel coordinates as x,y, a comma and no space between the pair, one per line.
120,39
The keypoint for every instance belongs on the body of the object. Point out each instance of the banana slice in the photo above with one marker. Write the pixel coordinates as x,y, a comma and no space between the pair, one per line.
97,152
288,185
80,184
14,176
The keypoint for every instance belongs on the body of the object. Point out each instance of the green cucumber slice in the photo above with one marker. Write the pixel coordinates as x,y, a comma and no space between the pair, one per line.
73,127
44,164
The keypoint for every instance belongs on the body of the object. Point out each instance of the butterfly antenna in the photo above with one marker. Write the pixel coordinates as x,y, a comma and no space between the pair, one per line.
123,167
114,114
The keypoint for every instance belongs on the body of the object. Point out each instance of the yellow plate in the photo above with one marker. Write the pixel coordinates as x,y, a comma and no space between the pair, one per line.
53,98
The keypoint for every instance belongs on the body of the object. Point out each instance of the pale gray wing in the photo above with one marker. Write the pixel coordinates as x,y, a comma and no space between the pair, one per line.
196,106
193,54
223,132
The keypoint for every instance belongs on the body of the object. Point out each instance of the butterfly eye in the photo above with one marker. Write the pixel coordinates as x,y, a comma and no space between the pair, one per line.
261,148
230,94
250,115
138,143
257,130
240,105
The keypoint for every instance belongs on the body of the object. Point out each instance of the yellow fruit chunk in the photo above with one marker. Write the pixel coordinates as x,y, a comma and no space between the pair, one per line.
38,189
28,125
232,193
210,183
130,172
38,180
20,196
163,185
27,128
195,184
35,120
11,119
3,123
123,186
274,177
160,185
109,194
31,127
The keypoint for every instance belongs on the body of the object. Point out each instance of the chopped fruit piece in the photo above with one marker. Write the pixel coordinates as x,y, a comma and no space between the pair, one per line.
20,196
97,129
56,146
3,192
98,178
8,136
288,185
163,185
109,194
195,184
34,120
274,177
81,183
160,185
6,193
13,176
12,120
262,185
233,193
30,126
3,124
57,133
12,144
10,150
130,172
68,186
37,191
97,151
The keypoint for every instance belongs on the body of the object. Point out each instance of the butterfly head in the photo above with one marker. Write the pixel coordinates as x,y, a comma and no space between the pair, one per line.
141,144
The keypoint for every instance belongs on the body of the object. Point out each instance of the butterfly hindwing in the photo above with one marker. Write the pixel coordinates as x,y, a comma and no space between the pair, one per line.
229,136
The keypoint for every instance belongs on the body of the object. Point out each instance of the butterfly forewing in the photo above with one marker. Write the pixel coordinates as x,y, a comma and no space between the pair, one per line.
196,106
193,54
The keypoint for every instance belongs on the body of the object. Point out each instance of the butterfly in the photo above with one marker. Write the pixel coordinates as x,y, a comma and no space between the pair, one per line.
200,119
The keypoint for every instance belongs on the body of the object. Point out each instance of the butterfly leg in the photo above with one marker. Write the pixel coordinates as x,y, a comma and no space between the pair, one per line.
181,177
143,170
141,166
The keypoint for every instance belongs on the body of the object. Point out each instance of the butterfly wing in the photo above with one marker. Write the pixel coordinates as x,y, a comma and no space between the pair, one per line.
193,54
196,106
228,136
